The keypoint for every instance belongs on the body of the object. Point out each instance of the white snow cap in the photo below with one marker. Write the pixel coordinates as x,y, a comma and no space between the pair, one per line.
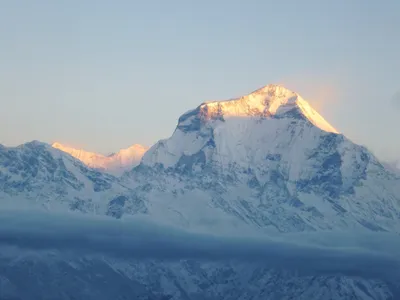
269,100
242,130
116,163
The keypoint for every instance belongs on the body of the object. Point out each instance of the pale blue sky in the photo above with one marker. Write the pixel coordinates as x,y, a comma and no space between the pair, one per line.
106,74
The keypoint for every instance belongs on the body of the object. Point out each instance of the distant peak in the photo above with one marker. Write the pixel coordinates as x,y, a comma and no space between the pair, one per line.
115,163
67,148
34,144
59,145
135,147
63,147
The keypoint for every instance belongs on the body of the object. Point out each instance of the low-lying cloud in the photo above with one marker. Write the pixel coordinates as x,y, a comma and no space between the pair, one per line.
368,255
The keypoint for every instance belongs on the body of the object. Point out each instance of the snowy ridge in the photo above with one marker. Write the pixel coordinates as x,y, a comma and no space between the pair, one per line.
116,163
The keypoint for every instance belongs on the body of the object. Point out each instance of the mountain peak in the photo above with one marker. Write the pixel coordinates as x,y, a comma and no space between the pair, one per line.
115,163
267,98
275,89
34,143
270,100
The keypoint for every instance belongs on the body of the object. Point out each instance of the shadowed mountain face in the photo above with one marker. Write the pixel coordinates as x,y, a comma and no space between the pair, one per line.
265,163
55,277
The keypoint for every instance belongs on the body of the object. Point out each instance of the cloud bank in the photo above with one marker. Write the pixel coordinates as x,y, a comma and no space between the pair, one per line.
363,254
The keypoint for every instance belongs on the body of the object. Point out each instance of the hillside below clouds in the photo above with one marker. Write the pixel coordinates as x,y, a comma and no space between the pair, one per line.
116,163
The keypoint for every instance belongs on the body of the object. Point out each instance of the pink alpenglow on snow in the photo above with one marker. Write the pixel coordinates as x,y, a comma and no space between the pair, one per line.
116,163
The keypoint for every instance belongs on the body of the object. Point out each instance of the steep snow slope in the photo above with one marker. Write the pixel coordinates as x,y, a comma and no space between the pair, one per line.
116,163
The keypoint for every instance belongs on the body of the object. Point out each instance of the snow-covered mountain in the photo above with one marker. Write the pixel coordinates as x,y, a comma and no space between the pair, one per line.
269,161
265,163
36,174
116,163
